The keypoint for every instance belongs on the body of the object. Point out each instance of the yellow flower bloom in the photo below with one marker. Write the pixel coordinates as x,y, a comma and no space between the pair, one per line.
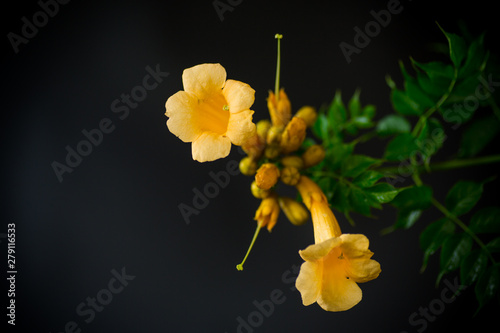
336,262
268,212
211,112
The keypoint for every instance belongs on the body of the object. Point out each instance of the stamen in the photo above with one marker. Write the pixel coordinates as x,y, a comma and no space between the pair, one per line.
225,107
278,65
240,265
341,255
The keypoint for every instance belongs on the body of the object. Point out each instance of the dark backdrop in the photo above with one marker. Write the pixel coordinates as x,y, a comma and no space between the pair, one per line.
117,212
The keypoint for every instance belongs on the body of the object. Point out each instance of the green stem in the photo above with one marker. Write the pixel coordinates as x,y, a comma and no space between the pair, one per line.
240,265
463,226
447,165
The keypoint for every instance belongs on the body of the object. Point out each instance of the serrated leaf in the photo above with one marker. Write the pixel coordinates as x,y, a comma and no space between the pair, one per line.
401,147
354,165
455,248
340,199
487,220
407,218
431,138
320,127
473,265
383,192
457,46
488,285
337,114
475,57
478,135
433,237
367,178
337,154
463,196
393,124
435,87
416,94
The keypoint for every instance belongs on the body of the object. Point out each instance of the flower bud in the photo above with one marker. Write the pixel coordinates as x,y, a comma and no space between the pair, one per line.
296,213
253,147
313,155
268,212
308,114
290,176
292,161
258,192
263,127
248,166
293,135
274,135
280,108
267,176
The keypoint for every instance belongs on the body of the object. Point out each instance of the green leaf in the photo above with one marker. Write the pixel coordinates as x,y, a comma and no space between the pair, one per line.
433,237
463,196
455,248
401,147
340,199
488,285
359,201
325,184
367,178
487,220
475,57
320,127
383,192
435,69
362,122
354,104
369,111
473,265
415,93
411,202
457,46
403,104
393,124
415,197
337,154
431,138
354,165
435,87
494,245
478,134
337,114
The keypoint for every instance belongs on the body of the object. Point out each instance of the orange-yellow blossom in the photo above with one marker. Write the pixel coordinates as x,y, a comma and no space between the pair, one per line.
211,112
280,108
336,262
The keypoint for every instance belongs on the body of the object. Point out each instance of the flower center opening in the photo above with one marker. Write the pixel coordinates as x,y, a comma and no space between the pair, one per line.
214,112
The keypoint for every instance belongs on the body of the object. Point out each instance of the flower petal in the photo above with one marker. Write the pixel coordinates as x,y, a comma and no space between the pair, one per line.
317,251
210,146
308,282
240,127
363,270
355,246
240,96
181,110
338,293
204,80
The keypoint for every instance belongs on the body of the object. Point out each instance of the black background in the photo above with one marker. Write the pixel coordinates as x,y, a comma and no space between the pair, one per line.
119,207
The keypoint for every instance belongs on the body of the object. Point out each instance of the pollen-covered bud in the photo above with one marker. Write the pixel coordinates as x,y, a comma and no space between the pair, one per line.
293,135
292,161
267,176
308,114
258,192
248,166
296,213
280,108
313,155
290,176
263,127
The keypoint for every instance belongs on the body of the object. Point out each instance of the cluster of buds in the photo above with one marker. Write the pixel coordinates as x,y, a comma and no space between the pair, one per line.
274,155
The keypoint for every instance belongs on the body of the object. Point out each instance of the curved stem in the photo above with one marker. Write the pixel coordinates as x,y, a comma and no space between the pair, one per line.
278,68
240,265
